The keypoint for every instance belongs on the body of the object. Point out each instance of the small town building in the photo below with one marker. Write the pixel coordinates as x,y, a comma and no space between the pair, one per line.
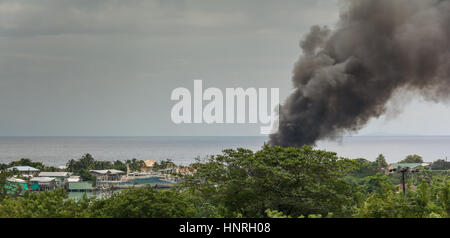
60,177
186,171
24,170
80,187
170,170
396,167
15,185
148,166
107,174
45,183
74,179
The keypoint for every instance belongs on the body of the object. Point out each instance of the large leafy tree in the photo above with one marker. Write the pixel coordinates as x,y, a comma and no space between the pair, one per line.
297,182
144,202
28,162
87,162
412,159
53,204
381,161
135,164
365,168
431,199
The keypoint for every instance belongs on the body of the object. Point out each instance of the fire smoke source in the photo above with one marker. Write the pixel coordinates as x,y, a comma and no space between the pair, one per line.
347,76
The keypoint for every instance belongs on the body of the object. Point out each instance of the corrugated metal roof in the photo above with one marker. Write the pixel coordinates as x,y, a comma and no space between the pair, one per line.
23,169
107,171
73,179
42,179
53,174
16,180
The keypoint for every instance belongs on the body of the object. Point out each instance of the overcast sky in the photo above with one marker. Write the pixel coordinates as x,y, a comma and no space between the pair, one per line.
107,68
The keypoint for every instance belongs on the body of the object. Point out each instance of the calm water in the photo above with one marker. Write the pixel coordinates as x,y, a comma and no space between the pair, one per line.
58,150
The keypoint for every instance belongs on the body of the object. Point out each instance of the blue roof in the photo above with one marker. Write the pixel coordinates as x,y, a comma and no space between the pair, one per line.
23,169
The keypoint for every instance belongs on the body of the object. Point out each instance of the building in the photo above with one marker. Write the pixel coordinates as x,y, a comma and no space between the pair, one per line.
186,171
80,187
148,166
60,177
107,174
16,185
25,170
396,167
45,183
74,179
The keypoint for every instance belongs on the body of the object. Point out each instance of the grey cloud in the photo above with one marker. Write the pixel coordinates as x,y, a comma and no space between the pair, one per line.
154,17
107,67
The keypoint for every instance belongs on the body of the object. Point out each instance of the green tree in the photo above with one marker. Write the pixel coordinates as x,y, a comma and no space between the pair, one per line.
431,199
82,166
364,168
135,164
381,162
86,163
51,204
412,159
440,165
378,183
293,181
119,165
145,202
164,164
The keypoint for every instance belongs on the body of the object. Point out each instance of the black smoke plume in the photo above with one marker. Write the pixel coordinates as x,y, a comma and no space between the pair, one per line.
347,76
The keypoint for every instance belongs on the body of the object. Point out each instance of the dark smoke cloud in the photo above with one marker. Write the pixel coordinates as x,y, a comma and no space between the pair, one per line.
346,76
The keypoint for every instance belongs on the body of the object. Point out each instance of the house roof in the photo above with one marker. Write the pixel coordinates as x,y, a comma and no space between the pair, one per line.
42,179
149,163
16,180
107,171
74,179
53,174
409,165
186,170
23,169
81,186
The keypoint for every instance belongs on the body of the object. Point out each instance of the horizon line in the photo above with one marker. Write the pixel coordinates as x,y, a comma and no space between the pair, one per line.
364,135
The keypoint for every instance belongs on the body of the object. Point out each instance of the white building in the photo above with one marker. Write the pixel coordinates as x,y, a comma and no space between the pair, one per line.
45,183
25,170
107,174
60,177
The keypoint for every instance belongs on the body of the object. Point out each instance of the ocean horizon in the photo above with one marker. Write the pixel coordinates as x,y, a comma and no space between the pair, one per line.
57,150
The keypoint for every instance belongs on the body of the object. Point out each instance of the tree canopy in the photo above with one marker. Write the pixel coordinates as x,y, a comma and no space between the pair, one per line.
272,182
291,180
412,159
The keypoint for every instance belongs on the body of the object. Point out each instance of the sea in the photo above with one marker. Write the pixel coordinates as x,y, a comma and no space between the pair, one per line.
56,151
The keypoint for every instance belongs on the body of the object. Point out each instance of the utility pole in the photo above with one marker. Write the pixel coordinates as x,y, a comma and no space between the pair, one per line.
403,171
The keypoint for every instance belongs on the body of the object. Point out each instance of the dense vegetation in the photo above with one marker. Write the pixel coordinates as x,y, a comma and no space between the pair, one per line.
87,162
297,182
28,162
272,182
